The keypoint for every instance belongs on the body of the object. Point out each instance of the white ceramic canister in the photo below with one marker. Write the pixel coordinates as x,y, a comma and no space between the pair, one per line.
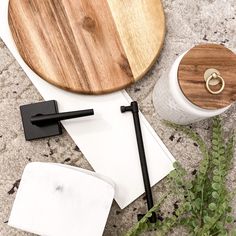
200,84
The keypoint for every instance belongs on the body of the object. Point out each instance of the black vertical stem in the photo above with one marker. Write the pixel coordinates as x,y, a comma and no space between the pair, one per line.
146,180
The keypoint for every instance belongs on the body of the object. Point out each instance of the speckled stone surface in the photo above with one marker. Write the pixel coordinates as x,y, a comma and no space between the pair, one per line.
188,23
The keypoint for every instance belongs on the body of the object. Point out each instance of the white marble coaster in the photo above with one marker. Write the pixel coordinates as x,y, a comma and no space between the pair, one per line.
60,200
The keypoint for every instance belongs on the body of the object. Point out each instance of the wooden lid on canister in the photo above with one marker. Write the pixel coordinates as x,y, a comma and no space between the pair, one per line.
207,76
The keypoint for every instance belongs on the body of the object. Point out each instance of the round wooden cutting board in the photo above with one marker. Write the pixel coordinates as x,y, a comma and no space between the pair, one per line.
88,46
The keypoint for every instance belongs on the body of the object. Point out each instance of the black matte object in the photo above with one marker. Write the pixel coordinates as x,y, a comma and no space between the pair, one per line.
41,120
135,111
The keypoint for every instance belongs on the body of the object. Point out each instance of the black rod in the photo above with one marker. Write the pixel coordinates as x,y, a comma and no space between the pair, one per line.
135,111
43,119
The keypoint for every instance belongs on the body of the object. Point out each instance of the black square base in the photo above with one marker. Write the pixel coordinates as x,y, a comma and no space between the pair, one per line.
34,131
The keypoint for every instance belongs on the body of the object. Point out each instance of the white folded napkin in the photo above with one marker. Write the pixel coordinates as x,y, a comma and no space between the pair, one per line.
61,200
107,139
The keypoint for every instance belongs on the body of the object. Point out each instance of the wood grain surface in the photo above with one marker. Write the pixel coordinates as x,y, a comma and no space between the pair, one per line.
141,25
191,75
88,46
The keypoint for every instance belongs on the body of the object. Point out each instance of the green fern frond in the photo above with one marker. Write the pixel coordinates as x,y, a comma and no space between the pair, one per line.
204,202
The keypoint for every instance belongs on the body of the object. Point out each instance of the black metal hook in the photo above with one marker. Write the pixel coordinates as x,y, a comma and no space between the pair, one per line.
41,120
135,111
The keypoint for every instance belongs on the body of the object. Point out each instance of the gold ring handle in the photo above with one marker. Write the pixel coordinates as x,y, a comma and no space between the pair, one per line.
215,76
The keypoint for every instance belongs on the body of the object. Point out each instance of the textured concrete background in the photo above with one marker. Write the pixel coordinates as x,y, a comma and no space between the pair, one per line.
188,23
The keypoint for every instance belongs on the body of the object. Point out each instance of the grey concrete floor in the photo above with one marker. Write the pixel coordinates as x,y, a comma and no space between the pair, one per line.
188,22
